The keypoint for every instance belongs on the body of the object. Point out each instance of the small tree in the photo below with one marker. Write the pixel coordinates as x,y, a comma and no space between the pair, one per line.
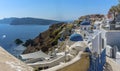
29,42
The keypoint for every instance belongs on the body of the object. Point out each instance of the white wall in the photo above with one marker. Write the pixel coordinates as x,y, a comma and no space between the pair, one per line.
85,26
109,51
49,63
113,38
118,57
97,43
103,36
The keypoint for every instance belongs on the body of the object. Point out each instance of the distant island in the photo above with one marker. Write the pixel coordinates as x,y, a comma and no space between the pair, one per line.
27,21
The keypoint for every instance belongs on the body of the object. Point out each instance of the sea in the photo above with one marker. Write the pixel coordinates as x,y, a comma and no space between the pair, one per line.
9,33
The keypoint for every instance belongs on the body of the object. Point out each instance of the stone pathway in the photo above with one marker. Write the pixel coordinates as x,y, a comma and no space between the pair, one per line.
108,67
114,65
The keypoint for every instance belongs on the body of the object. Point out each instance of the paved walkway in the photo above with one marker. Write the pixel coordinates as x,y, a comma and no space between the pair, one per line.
62,65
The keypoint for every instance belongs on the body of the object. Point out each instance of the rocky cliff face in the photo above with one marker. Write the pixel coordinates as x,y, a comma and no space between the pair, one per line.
10,63
46,40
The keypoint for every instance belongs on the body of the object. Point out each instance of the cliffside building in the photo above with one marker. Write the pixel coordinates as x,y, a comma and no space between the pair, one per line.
98,54
85,25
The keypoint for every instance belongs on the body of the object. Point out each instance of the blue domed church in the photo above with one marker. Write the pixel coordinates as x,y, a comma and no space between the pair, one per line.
85,25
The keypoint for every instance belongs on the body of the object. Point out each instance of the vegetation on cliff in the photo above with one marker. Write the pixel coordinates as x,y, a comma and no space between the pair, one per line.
47,40
18,41
115,8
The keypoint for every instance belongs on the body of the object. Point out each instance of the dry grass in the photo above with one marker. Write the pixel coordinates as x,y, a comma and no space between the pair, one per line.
81,65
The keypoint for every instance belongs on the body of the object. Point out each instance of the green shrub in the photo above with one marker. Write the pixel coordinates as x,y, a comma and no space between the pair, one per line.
18,41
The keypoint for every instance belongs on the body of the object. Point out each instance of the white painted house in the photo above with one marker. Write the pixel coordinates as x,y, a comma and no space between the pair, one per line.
85,25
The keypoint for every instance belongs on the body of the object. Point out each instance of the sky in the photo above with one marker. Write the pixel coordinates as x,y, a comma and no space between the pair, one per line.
54,9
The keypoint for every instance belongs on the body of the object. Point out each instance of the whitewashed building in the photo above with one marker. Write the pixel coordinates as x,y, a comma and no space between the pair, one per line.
97,43
85,25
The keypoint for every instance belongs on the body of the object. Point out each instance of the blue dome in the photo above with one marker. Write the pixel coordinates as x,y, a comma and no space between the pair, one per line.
85,23
76,37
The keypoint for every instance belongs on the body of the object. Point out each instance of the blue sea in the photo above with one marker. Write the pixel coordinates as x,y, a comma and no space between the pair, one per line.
8,34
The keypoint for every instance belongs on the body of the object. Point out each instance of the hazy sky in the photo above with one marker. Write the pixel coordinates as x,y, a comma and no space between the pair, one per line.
54,9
